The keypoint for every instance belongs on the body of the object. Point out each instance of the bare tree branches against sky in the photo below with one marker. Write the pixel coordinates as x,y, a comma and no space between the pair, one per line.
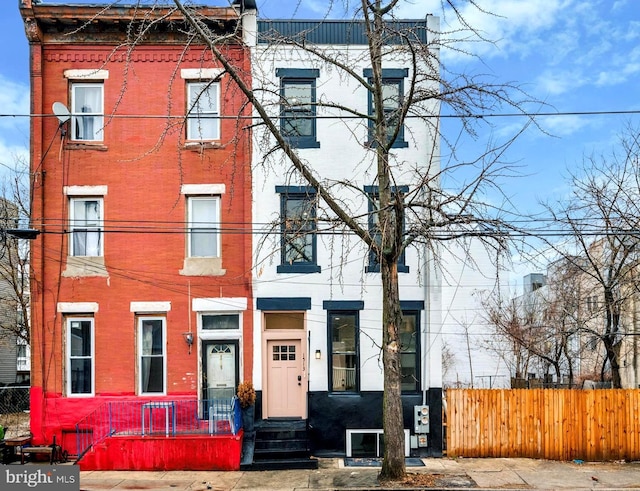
575,55
579,57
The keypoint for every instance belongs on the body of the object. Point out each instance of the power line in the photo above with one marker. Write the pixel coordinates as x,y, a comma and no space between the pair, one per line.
610,112
431,235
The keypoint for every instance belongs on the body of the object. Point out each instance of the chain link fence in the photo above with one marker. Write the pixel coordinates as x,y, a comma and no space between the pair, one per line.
14,411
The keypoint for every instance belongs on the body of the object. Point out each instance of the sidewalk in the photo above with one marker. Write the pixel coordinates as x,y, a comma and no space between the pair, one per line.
450,474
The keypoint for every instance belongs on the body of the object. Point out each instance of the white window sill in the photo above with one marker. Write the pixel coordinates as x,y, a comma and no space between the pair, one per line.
78,266
203,266
86,145
202,145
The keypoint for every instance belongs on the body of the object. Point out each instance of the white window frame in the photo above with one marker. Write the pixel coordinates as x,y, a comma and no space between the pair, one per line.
197,89
68,356
97,114
140,321
196,225
23,363
227,336
96,228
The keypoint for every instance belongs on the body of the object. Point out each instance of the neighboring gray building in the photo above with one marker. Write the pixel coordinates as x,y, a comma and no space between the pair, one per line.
14,349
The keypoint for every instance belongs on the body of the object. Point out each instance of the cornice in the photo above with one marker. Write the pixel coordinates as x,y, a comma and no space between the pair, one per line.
158,55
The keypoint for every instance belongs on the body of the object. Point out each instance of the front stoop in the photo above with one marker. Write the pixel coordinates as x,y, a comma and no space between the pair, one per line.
277,445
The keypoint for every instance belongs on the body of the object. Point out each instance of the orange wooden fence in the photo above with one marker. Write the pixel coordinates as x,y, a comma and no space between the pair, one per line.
557,424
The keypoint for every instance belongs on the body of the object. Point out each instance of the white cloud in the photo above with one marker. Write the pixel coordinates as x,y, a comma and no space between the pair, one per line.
619,5
14,101
513,25
565,125
12,157
14,125
633,31
574,42
559,82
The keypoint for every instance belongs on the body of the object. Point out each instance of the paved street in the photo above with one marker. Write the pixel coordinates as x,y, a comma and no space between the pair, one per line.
442,473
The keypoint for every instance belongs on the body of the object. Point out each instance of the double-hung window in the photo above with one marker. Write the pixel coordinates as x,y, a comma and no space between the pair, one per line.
87,111
204,226
86,227
375,230
80,354
152,360
392,99
203,111
298,228
22,357
298,106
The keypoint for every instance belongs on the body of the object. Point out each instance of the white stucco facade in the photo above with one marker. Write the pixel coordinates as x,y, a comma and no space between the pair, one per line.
340,277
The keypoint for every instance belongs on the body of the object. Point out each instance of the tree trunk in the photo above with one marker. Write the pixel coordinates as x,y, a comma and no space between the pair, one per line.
565,350
612,327
613,356
393,466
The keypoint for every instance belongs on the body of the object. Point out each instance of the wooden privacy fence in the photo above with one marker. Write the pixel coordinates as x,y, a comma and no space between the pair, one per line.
556,424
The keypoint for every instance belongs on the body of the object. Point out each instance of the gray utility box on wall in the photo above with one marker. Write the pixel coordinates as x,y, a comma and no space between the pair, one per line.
421,419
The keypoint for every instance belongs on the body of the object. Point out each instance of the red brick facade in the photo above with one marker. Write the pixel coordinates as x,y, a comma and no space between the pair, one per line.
138,170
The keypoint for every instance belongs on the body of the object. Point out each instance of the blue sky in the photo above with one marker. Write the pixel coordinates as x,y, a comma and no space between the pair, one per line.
575,55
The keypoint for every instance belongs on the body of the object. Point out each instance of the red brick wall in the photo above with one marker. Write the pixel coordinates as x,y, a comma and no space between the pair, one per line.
143,164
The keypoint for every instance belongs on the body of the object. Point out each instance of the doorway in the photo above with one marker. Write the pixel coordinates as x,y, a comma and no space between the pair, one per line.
286,380
220,369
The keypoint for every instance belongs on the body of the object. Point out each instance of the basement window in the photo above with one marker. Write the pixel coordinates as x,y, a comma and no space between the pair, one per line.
370,443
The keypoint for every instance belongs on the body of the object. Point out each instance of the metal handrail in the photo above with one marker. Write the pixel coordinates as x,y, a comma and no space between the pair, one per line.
165,417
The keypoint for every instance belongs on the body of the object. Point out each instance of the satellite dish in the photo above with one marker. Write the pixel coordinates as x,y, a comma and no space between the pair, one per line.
61,112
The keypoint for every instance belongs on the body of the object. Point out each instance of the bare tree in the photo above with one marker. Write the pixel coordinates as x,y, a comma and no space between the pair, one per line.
541,327
427,214
513,324
14,257
602,218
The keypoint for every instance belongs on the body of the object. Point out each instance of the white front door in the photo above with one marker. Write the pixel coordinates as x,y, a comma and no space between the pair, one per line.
219,369
286,380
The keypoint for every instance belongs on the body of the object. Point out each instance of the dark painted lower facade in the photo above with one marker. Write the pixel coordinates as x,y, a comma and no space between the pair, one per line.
331,414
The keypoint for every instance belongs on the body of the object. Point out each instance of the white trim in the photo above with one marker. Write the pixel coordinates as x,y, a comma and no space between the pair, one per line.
80,223
203,111
145,307
201,73
221,334
92,356
211,229
164,354
86,74
201,189
222,304
77,307
85,190
407,440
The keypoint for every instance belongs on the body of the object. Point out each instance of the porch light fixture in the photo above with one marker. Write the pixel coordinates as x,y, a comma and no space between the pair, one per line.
318,354
188,338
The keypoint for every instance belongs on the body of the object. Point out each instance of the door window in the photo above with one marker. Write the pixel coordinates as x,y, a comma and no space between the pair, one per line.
284,352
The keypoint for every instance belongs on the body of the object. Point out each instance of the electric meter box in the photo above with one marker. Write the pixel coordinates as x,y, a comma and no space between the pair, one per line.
421,416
